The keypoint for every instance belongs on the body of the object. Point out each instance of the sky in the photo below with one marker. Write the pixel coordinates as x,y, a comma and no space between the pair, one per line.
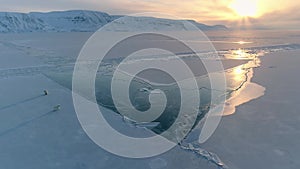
263,14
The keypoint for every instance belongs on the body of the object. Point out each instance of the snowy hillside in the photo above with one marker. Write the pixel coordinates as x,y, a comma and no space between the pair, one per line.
82,21
74,21
19,22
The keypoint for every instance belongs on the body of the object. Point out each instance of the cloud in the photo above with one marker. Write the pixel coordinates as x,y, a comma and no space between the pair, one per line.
278,19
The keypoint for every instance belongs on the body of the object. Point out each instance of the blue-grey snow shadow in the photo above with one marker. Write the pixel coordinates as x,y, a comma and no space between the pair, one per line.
21,102
24,123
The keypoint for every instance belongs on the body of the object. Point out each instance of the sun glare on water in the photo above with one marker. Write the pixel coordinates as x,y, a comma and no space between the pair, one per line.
244,8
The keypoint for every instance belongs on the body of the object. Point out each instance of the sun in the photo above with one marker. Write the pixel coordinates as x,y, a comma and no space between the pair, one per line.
244,8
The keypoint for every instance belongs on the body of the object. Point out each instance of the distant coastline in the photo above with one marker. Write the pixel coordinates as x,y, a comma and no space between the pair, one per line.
79,21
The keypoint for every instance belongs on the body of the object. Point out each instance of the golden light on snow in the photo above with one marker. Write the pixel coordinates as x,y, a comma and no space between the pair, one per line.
242,42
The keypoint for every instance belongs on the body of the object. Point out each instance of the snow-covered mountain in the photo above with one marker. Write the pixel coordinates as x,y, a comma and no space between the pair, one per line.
20,22
83,21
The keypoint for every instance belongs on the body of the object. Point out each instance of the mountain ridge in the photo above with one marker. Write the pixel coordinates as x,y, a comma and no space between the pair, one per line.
82,21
